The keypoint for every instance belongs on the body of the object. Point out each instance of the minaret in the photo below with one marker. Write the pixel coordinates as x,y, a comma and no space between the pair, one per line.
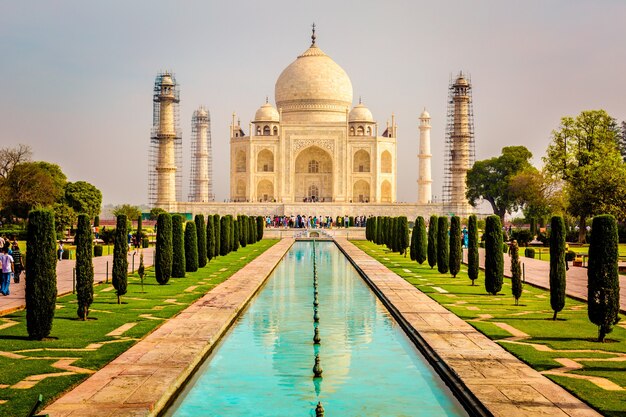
201,162
166,137
424,181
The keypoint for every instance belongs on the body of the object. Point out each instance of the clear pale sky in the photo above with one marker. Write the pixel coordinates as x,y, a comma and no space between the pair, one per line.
77,76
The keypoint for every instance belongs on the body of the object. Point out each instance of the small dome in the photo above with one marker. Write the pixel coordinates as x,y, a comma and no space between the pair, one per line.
167,80
266,113
360,113
461,80
425,115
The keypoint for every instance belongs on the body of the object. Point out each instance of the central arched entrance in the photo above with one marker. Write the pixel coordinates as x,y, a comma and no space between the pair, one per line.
313,176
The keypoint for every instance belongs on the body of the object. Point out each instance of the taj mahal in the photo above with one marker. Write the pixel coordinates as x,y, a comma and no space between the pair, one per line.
314,151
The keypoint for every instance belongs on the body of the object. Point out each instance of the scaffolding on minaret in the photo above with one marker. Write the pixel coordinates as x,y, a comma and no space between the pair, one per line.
460,152
201,178
158,136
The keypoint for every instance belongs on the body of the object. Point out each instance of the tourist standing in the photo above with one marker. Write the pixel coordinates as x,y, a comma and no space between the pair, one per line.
18,265
60,250
6,261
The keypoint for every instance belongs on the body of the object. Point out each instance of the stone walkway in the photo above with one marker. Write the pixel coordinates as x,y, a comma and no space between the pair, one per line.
504,384
537,273
15,300
142,380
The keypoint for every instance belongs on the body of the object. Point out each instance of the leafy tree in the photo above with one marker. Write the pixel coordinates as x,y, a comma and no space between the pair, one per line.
490,179
64,217
603,277
11,157
178,247
585,155
432,241
402,231
83,198
494,257
154,213
472,249
41,284
84,265
191,247
217,224
260,225
210,238
201,240
120,257
130,211
538,195
224,236
516,272
163,252
456,252
421,241
443,245
557,264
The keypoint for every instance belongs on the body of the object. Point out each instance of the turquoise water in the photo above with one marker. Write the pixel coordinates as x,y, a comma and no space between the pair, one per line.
263,367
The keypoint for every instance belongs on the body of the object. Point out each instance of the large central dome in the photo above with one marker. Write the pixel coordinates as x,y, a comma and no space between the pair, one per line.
313,88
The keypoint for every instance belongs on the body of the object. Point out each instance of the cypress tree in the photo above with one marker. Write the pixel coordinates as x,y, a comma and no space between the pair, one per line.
602,275
557,264
472,249
163,251
260,225
379,230
456,252
191,247
516,273
374,227
393,235
201,240
231,241
243,231
96,221
252,229
139,230
403,234
224,236
217,231
41,284
443,245
178,247
421,241
413,249
120,257
236,235
210,238
84,266
432,241
494,257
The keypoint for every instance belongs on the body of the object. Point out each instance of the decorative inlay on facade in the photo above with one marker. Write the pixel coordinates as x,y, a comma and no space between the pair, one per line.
322,143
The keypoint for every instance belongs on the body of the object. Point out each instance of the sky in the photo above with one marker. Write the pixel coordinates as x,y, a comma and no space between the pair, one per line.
77,76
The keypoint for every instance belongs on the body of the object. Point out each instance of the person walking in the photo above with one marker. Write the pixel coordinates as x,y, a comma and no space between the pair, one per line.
18,264
60,251
6,261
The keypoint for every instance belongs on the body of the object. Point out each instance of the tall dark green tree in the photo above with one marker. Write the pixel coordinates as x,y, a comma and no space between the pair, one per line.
494,257
236,236
41,284
473,266
84,265
201,240
231,241
120,257
413,247
557,264
251,230
432,241
163,253
516,272
602,275
392,242
403,234
421,241
191,247
243,232
224,236
210,238
373,228
178,247
443,245
456,252
139,230
260,225
217,231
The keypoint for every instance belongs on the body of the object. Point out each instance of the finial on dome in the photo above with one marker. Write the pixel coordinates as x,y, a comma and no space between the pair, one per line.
313,35
360,100
267,100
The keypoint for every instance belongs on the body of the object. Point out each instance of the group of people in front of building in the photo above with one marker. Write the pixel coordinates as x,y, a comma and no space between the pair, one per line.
11,263
313,222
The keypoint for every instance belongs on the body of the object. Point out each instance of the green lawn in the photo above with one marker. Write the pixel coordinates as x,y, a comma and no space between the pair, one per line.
565,338
70,337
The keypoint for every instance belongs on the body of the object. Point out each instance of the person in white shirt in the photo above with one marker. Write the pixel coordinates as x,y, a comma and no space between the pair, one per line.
6,261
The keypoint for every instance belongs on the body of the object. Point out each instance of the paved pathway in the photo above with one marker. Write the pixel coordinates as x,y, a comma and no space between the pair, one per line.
504,384
15,300
142,380
538,273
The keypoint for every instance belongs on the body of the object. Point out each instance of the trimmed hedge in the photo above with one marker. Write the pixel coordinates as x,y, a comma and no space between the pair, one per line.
557,264
421,241
191,247
120,257
494,257
178,247
260,225
97,250
443,245
236,236
472,249
529,252
210,238
201,240
84,265
456,251
516,273
163,251
224,236
217,225
432,241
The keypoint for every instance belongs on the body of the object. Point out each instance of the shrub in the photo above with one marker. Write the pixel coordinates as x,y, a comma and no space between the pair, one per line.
145,242
217,232
602,274
120,257
522,236
178,247
456,251
494,257
516,273
41,284
402,231
557,264
191,247
224,236
200,240
260,225
97,250
570,256
163,250
96,221
432,241
472,249
84,265
443,245
210,238
505,248
529,252
351,221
